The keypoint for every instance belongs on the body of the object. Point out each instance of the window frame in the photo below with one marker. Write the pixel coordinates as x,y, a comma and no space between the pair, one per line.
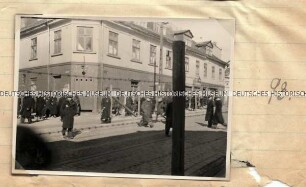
114,43
186,64
220,74
153,52
57,42
135,49
197,68
205,70
33,48
84,36
213,71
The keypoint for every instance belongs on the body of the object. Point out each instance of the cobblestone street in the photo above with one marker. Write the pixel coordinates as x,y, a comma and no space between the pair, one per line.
123,147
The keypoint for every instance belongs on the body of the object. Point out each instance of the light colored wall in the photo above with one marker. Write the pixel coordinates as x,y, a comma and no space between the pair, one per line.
78,56
43,48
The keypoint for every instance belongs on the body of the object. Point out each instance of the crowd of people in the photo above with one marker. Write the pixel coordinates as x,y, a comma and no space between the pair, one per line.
42,108
67,107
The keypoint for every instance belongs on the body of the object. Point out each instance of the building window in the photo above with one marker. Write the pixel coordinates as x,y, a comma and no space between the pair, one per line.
136,50
186,64
220,74
113,43
213,72
205,70
197,68
169,59
33,48
153,26
134,85
153,55
57,41
84,39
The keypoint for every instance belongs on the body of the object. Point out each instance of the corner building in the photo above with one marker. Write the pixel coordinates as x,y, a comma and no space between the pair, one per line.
66,54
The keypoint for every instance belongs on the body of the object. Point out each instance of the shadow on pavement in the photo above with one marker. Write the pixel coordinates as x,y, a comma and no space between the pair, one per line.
143,152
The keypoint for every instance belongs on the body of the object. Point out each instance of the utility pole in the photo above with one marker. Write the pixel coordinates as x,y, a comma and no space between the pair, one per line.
161,43
178,123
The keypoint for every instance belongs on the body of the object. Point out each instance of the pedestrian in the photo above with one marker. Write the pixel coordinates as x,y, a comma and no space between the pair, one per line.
40,103
68,109
106,110
129,104
146,108
168,114
59,105
210,112
27,108
47,107
160,108
193,103
53,106
76,99
218,117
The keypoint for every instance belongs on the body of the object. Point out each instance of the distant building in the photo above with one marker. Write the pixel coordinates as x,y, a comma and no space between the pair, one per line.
57,54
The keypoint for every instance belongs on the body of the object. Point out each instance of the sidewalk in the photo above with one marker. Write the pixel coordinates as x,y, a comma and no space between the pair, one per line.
89,120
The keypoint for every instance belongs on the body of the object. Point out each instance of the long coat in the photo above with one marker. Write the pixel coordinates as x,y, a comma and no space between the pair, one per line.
53,106
105,106
68,112
40,103
59,105
169,114
27,106
210,110
147,109
218,112
129,104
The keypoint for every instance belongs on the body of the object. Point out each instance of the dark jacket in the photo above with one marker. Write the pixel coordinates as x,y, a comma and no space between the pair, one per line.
218,112
68,112
169,114
105,106
40,103
27,106
210,110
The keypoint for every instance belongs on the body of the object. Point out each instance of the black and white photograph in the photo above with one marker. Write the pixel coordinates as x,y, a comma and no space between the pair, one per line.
142,127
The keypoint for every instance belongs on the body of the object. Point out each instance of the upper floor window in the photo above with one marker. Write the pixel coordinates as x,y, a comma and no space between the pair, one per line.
197,68
153,55
84,39
153,26
33,48
220,74
205,70
136,50
186,64
169,59
57,42
113,43
213,72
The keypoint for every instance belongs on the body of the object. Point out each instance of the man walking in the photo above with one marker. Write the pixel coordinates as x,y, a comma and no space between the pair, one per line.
68,110
218,117
210,112
168,114
26,109
106,110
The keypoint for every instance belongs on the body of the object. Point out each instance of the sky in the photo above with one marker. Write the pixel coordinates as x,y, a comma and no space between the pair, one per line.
220,31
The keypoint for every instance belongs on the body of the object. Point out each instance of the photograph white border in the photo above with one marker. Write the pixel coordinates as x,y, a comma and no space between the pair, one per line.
117,175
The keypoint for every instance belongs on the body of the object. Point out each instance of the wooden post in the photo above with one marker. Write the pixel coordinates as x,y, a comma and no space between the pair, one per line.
178,123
